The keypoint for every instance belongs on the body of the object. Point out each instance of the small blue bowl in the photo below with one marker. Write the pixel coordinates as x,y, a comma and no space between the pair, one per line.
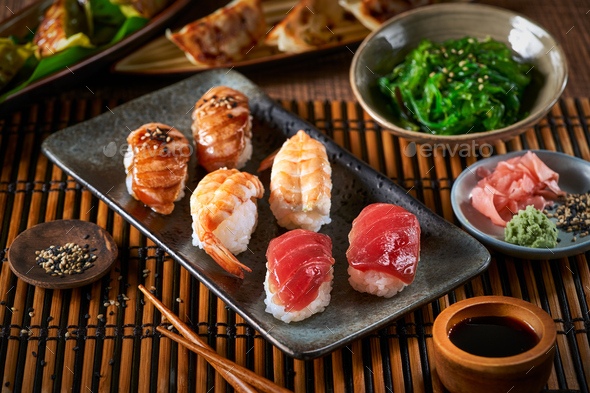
574,178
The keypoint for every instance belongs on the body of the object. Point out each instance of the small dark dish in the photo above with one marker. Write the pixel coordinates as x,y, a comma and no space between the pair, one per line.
21,254
449,256
386,47
574,177
462,372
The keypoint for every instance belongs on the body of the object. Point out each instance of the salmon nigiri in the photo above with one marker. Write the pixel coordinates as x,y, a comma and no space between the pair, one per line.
299,277
156,166
384,249
222,128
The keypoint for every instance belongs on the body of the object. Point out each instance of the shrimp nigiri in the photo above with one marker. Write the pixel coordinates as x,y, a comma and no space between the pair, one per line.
224,215
300,183
156,166
222,128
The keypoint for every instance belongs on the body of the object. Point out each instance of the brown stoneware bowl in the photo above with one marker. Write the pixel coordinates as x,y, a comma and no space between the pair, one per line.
387,46
462,372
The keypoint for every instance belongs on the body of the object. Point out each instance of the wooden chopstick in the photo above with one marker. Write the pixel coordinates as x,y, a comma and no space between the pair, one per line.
238,385
249,376
197,345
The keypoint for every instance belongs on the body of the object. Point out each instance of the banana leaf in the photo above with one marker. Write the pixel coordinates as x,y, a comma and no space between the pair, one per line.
59,61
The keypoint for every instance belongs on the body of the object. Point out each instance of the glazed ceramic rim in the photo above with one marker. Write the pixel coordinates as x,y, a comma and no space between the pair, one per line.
523,124
509,248
447,349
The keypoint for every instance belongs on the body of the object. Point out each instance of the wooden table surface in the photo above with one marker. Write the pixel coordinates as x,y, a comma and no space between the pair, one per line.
326,77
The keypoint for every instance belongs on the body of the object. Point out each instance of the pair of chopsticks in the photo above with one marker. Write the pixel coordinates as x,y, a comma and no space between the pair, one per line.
242,379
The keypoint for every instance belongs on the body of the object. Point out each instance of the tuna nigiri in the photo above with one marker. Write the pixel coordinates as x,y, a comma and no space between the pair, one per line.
224,214
384,249
299,276
156,166
300,183
222,128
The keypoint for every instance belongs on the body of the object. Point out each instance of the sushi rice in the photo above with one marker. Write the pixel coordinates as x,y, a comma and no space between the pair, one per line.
128,162
318,305
375,283
235,231
246,153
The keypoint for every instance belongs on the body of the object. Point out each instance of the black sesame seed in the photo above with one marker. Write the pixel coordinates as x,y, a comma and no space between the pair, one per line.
111,362
93,249
34,354
142,302
87,316
86,237
230,115
30,309
75,348
97,374
49,318
2,303
234,104
43,363
147,331
53,377
7,384
111,313
117,270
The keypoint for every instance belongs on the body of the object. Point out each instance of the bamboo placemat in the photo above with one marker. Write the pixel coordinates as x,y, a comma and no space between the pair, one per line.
54,340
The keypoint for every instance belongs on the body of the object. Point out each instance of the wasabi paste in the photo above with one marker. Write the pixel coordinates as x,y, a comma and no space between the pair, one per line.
531,228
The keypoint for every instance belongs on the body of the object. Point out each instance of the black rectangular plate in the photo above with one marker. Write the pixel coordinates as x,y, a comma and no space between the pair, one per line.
90,153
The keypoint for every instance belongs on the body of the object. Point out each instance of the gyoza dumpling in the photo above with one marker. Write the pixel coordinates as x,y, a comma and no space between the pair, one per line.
226,35
144,8
65,25
12,59
307,25
372,13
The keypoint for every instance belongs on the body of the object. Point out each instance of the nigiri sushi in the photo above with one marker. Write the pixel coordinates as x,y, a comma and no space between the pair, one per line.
156,166
384,249
224,213
299,275
300,183
222,128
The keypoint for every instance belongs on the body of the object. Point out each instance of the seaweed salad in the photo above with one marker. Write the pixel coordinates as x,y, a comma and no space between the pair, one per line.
457,87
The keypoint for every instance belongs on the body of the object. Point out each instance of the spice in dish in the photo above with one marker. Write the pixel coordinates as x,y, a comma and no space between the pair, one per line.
457,87
531,228
574,215
65,260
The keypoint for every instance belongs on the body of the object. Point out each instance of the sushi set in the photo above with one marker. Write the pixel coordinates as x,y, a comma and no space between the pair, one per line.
310,279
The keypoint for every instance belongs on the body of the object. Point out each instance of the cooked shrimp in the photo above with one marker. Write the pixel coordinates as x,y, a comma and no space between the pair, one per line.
301,184
224,215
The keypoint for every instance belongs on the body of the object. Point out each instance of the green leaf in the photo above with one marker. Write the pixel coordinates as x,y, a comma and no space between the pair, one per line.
59,61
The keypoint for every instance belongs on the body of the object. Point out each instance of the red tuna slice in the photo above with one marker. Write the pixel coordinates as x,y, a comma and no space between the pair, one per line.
299,261
385,238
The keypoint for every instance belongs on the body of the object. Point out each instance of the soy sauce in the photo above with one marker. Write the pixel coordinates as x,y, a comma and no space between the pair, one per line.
493,337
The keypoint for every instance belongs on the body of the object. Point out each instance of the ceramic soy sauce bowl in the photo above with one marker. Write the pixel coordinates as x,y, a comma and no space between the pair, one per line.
462,372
